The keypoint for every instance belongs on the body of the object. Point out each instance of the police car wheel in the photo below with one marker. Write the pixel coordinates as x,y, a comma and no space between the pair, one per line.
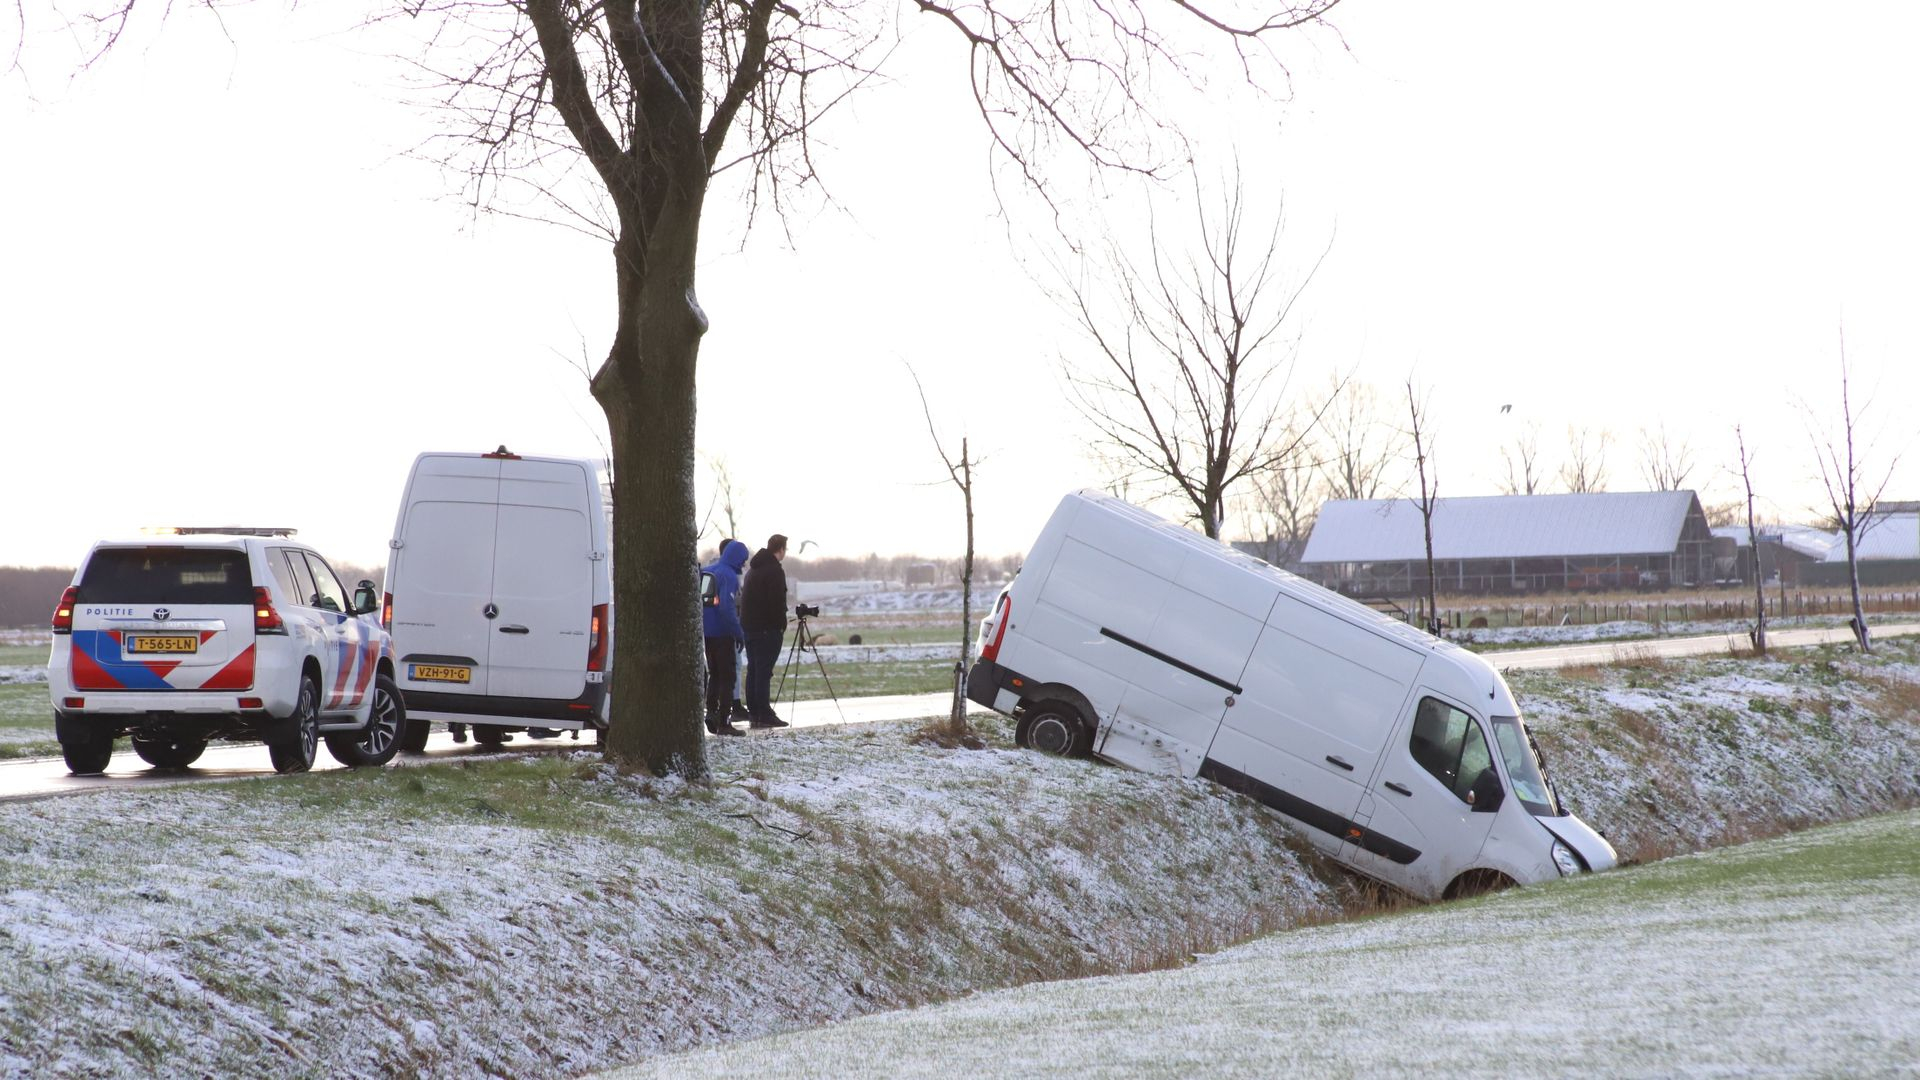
375,744
293,745
87,757
169,753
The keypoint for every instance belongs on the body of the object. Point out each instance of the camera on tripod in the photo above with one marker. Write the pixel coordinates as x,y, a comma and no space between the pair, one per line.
807,611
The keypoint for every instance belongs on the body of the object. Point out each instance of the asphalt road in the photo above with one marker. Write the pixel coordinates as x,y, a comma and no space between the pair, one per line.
42,778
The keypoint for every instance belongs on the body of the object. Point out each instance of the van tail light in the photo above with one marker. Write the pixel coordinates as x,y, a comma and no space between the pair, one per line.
386,613
991,650
597,644
265,619
63,614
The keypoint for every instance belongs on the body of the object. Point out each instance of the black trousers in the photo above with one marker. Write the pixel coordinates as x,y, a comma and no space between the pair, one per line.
719,676
763,652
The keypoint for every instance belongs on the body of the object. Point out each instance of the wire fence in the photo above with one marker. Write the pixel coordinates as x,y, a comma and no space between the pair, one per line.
1662,611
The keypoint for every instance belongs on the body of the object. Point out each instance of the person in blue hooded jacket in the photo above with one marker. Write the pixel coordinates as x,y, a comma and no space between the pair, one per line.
720,622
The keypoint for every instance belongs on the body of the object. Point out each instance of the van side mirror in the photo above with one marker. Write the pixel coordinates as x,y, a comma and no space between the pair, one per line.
1486,794
366,598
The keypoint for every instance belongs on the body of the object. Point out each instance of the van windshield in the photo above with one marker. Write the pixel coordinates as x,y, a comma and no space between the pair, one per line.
1523,767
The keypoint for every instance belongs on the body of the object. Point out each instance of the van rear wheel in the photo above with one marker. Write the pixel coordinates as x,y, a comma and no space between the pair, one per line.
489,736
1056,729
413,739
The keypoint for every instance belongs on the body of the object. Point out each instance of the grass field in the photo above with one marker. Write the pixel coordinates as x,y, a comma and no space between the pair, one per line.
1788,957
26,722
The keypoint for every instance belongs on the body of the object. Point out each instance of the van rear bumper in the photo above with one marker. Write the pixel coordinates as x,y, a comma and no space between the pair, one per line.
987,682
584,710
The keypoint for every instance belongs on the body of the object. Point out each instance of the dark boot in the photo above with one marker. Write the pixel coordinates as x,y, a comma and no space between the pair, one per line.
769,720
740,710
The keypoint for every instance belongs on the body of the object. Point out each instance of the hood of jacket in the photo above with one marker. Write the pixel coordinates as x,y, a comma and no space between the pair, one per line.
761,558
734,554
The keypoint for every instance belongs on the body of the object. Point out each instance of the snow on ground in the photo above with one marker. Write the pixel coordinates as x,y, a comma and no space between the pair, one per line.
870,654
1629,629
1788,957
13,675
31,636
531,917
904,600
545,917
1680,755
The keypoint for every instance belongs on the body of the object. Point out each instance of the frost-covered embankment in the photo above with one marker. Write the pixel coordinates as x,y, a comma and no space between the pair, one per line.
538,918
1673,756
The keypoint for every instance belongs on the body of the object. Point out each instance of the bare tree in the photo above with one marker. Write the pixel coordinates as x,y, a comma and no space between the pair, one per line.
1585,469
726,495
1665,460
960,472
1357,445
1522,460
1753,545
1188,382
1282,508
1852,494
1420,440
619,112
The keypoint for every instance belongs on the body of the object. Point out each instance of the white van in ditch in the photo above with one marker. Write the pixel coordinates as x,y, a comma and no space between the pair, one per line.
499,595
1149,645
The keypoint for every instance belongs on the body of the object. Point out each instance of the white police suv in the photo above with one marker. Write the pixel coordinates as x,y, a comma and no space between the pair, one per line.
220,633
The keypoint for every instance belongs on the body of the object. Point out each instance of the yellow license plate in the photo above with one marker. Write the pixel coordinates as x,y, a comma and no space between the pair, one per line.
441,673
163,643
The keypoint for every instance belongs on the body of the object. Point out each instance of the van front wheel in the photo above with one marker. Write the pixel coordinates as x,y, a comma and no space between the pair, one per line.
1056,729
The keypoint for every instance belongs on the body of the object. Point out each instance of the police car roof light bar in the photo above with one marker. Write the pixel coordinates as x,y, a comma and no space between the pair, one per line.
223,530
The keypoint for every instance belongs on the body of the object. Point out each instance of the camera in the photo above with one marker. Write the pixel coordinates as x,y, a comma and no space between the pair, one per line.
806,611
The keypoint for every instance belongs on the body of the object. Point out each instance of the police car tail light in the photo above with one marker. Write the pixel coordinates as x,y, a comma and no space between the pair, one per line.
597,644
63,613
386,612
265,619
991,650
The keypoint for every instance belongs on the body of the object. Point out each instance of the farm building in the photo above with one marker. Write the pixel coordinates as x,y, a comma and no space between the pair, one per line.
1803,555
1889,554
1517,543
1785,550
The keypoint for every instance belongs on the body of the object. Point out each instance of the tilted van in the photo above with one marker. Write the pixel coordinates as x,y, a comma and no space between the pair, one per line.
499,595
1401,756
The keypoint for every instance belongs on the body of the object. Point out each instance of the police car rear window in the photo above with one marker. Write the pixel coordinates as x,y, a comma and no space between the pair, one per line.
167,575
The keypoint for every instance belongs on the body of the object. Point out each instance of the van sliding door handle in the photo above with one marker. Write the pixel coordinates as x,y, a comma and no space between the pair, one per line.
513,630
1331,760
1391,786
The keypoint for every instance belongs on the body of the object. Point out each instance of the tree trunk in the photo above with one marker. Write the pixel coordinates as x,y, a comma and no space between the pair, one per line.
1853,582
647,392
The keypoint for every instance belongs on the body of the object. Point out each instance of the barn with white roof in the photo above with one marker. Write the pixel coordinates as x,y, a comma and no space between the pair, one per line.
1517,543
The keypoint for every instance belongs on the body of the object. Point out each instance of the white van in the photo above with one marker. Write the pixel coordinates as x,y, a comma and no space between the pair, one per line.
499,595
1402,756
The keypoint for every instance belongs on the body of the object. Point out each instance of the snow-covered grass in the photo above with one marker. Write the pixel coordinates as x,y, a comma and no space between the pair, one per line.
1520,637
538,917
542,916
1794,956
1671,756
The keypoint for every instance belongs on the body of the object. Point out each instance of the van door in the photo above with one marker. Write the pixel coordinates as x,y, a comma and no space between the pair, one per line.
444,573
1419,795
543,588
543,570
1320,696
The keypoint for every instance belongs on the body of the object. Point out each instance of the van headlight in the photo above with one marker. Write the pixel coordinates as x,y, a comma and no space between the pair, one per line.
1568,862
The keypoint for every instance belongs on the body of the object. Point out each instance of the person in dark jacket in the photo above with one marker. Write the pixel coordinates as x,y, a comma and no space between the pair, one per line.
720,622
763,614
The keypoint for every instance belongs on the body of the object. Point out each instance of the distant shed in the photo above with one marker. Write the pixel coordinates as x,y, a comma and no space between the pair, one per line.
1888,554
1517,543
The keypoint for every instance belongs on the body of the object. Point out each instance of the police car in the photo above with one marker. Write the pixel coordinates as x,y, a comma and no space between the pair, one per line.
197,634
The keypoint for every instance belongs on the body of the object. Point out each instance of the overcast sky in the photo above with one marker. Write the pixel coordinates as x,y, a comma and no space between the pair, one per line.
227,294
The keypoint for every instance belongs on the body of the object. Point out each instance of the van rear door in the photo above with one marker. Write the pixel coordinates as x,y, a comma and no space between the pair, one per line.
1321,695
543,567
443,570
